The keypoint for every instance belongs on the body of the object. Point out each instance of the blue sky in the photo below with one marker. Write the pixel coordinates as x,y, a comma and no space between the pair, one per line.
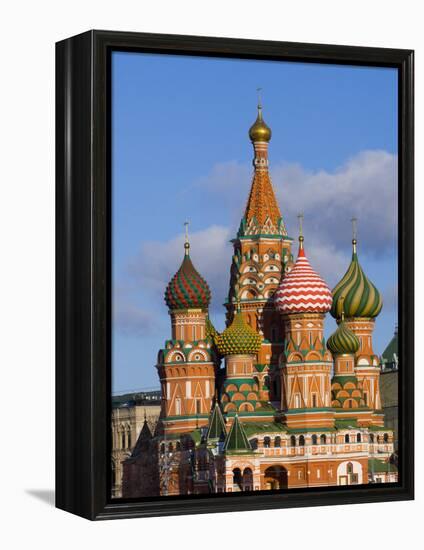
181,151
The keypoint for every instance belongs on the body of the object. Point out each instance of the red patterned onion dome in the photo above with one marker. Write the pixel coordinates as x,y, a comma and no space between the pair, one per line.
302,290
187,288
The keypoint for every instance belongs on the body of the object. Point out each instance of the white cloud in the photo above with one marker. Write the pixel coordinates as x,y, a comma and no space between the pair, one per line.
365,186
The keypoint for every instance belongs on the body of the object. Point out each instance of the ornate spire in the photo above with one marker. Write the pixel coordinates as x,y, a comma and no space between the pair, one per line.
355,293
262,215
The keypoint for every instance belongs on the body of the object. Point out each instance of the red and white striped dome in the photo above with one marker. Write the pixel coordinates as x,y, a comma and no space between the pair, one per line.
302,290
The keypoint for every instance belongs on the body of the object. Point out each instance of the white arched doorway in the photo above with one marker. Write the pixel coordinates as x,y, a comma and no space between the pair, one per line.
349,473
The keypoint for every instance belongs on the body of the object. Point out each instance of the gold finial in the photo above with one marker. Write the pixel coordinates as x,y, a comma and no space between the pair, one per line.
354,233
342,316
259,131
186,243
301,238
259,90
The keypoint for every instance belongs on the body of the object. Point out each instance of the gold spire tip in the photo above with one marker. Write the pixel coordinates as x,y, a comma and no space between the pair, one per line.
259,90
354,233
301,237
187,242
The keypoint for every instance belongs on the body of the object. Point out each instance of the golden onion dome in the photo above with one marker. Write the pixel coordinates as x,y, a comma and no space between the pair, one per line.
259,131
239,338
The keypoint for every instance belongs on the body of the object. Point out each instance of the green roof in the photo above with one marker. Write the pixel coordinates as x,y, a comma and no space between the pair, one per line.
391,350
376,465
236,440
253,428
379,429
216,425
345,423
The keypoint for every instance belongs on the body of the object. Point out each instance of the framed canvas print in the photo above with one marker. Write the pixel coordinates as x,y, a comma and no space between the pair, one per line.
234,274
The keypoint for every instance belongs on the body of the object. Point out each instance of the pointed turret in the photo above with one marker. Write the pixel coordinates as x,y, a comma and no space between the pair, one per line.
143,439
217,429
237,441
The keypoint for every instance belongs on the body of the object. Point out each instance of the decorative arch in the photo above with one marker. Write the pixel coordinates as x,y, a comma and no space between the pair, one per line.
313,356
275,477
197,355
175,356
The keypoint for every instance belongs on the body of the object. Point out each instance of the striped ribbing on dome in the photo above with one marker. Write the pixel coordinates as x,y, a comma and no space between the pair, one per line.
187,288
343,341
302,290
355,294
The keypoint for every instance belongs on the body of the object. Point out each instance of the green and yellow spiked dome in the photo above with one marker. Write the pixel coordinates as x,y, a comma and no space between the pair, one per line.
355,293
343,341
238,338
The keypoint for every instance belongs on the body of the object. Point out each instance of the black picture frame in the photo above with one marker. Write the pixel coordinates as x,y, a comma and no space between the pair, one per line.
83,237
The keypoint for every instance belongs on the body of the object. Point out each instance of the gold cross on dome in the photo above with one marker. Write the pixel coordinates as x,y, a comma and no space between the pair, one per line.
300,218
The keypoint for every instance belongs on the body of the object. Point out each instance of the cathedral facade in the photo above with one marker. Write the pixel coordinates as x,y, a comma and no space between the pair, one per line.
268,403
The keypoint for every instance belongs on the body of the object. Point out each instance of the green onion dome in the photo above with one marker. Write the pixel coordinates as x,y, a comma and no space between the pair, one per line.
187,288
355,293
238,338
343,340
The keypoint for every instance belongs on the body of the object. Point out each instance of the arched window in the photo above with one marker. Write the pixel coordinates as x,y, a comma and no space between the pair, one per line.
372,438
267,442
237,478
358,438
277,441
170,447
349,468
129,440
323,439
314,439
123,441
178,447
386,438
301,441
162,449
347,438
293,441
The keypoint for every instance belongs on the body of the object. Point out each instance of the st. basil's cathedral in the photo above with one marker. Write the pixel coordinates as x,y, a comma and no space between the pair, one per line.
268,403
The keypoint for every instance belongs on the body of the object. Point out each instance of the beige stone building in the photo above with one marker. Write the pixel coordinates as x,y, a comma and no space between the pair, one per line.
389,386
127,420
